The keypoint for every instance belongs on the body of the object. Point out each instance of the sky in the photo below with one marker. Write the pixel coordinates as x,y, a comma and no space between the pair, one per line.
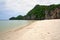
10,8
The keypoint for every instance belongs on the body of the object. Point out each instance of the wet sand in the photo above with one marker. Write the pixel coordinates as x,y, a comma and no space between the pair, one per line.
38,30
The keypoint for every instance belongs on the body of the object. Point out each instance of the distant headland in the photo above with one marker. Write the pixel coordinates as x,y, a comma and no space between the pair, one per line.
41,12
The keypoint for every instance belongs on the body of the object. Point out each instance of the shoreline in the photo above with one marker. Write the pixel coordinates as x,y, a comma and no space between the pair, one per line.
18,28
38,30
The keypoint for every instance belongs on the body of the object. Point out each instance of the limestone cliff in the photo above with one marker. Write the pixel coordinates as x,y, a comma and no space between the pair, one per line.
54,14
41,12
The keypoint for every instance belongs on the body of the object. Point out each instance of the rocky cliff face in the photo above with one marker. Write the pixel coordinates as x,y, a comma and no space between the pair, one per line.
54,14
41,12
48,14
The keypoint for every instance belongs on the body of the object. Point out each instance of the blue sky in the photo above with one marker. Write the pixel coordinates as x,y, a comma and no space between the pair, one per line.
9,8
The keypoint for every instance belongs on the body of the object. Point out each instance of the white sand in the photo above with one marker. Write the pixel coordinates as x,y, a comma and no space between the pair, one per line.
39,30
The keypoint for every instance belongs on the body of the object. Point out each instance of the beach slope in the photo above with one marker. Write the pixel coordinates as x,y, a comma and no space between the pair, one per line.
38,30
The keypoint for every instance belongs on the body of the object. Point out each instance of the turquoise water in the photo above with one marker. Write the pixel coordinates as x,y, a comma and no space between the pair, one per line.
10,24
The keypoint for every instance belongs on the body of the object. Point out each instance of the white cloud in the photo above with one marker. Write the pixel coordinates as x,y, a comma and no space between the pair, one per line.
48,2
20,5
26,5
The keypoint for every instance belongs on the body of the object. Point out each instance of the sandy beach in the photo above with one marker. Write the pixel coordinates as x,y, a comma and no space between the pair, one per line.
38,30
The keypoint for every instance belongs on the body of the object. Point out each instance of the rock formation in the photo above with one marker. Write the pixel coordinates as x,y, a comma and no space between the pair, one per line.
54,14
41,12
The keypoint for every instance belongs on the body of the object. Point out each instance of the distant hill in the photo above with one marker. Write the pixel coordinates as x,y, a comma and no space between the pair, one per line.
41,12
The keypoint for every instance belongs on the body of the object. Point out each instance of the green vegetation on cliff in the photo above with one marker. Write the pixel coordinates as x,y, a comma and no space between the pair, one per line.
19,17
37,13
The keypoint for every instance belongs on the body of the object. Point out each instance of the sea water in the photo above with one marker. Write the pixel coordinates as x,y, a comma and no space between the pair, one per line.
6,25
